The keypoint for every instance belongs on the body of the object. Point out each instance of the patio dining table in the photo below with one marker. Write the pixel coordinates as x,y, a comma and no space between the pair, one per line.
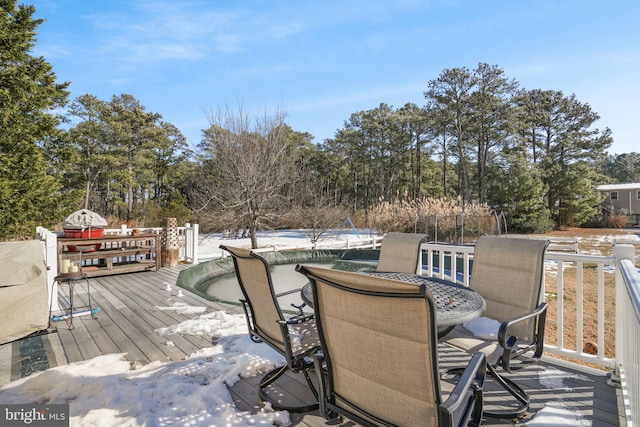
455,303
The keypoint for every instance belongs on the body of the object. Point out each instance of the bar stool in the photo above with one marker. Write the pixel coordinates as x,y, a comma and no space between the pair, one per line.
71,281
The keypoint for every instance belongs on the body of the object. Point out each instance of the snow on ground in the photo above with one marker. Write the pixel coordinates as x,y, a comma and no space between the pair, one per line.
109,391
555,414
598,245
601,244
554,378
209,244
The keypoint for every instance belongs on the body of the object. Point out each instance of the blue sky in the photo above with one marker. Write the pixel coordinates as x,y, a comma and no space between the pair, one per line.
321,61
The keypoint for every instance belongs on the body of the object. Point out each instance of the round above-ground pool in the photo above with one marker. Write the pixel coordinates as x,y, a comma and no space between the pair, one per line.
216,280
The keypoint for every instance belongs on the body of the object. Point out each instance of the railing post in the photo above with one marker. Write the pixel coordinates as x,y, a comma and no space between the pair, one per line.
195,230
628,330
465,269
621,252
190,243
187,243
50,246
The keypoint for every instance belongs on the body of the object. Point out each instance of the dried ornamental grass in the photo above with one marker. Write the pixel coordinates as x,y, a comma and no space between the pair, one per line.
441,219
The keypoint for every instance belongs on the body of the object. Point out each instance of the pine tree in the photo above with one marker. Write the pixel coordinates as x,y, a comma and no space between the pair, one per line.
519,192
29,195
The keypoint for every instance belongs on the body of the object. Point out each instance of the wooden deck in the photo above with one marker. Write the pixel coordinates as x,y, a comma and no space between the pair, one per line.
129,316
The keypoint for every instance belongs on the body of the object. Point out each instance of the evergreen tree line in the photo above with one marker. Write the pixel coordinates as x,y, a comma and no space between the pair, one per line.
479,138
533,154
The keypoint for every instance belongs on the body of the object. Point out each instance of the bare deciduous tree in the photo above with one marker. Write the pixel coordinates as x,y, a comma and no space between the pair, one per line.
318,216
245,164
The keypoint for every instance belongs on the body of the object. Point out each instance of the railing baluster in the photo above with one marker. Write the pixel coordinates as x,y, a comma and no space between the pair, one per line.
560,300
601,316
454,266
466,257
579,307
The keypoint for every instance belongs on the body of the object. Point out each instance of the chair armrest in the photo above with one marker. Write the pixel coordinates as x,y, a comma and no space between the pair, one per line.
293,291
289,292
508,342
465,401
296,361
294,320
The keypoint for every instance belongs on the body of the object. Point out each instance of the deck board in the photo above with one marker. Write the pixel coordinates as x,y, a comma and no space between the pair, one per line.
130,314
134,322
156,319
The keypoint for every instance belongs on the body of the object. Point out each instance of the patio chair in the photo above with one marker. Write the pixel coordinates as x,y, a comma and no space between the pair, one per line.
379,362
295,337
508,273
400,253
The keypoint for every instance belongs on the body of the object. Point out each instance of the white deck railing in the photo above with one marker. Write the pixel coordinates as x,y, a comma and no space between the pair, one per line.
453,263
563,261
628,331
187,239
555,264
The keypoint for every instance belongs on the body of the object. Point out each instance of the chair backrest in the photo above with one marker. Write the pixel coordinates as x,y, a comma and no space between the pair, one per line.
379,340
508,273
400,253
254,277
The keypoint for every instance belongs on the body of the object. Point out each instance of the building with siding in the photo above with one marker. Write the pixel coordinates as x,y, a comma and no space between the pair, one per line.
622,199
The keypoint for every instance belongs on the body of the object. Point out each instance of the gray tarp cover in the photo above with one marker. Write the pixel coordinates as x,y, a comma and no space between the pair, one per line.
83,219
23,290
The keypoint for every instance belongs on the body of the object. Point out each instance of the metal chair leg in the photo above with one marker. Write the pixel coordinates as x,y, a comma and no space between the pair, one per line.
514,390
271,377
509,386
310,383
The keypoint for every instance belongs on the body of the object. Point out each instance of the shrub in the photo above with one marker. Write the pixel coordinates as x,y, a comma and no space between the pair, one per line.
618,221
